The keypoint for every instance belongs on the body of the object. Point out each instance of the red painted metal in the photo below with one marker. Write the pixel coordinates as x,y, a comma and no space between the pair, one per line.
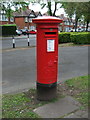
47,59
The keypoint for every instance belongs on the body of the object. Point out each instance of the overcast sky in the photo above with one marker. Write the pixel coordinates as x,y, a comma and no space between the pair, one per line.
37,7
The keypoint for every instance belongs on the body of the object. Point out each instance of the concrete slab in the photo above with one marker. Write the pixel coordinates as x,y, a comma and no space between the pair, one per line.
72,116
58,109
83,114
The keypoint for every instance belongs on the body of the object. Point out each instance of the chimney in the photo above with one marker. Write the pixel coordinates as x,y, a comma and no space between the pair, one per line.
62,15
27,7
20,9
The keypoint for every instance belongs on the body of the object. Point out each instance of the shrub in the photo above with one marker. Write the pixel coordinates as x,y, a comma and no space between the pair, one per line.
64,37
80,38
75,37
8,29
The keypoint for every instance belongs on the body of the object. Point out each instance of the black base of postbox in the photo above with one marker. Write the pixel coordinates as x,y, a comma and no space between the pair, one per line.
46,92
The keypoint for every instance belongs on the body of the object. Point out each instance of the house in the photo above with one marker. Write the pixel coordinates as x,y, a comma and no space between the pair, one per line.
67,23
23,18
4,18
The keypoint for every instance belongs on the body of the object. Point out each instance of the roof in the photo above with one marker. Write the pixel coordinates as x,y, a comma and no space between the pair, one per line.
25,13
64,18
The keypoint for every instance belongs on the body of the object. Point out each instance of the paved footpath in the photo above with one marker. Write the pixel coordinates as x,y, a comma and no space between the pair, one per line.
66,107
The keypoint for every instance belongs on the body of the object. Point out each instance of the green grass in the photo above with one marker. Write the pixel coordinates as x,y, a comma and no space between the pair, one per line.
79,85
66,44
8,25
17,106
21,105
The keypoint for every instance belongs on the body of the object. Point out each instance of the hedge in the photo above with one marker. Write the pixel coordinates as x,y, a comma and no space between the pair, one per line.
8,29
75,37
80,38
64,37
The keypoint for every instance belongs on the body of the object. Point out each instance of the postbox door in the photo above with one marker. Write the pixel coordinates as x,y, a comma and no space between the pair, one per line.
52,59
48,62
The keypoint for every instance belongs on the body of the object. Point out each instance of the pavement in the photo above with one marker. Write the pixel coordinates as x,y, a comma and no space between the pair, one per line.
66,107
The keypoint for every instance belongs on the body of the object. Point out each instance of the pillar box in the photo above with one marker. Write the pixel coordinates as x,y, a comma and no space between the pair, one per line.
47,56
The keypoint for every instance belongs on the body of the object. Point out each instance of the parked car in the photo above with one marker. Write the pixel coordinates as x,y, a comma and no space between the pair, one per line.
31,32
72,30
18,32
79,30
24,31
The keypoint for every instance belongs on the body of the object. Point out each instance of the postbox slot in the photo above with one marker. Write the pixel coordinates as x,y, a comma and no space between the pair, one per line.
48,33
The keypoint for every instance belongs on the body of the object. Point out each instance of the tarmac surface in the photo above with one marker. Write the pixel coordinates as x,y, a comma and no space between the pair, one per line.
19,66
20,41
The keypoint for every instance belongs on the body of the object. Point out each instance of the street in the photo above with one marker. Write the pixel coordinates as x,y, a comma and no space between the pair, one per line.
20,41
19,66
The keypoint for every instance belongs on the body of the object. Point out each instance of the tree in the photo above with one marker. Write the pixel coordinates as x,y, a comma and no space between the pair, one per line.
73,8
52,6
7,7
79,10
86,13
19,4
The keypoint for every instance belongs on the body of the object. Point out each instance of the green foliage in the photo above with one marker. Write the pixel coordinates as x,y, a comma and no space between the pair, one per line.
17,106
8,25
79,10
80,38
78,82
64,37
74,37
8,29
80,86
69,8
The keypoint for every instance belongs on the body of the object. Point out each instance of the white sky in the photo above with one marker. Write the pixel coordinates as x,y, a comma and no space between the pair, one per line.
37,7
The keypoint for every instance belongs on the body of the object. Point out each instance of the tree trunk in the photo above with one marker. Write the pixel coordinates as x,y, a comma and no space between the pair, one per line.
76,21
87,26
55,9
8,20
49,8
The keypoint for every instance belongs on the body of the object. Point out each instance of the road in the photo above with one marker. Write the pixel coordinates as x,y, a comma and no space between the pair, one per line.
19,67
20,41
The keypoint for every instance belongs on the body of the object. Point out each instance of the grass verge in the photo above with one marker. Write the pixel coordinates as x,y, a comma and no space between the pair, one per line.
78,88
21,105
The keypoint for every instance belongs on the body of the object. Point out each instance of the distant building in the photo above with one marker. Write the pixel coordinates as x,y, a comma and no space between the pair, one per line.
4,18
67,24
23,18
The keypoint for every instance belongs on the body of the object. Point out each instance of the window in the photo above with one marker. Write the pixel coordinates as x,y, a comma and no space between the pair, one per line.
26,19
3,18
32,27
30,19
68,23
12,19
0,17
31,15
71,23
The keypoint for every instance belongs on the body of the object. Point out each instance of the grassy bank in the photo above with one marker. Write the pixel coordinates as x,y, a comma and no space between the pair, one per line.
79,89
21,105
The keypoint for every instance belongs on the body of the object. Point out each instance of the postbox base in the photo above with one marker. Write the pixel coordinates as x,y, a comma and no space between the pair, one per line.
46,92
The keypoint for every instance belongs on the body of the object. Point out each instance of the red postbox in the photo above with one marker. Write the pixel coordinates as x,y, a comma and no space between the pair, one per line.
47,56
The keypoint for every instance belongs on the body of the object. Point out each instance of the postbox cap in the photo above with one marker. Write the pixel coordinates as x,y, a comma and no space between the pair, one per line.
47,19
